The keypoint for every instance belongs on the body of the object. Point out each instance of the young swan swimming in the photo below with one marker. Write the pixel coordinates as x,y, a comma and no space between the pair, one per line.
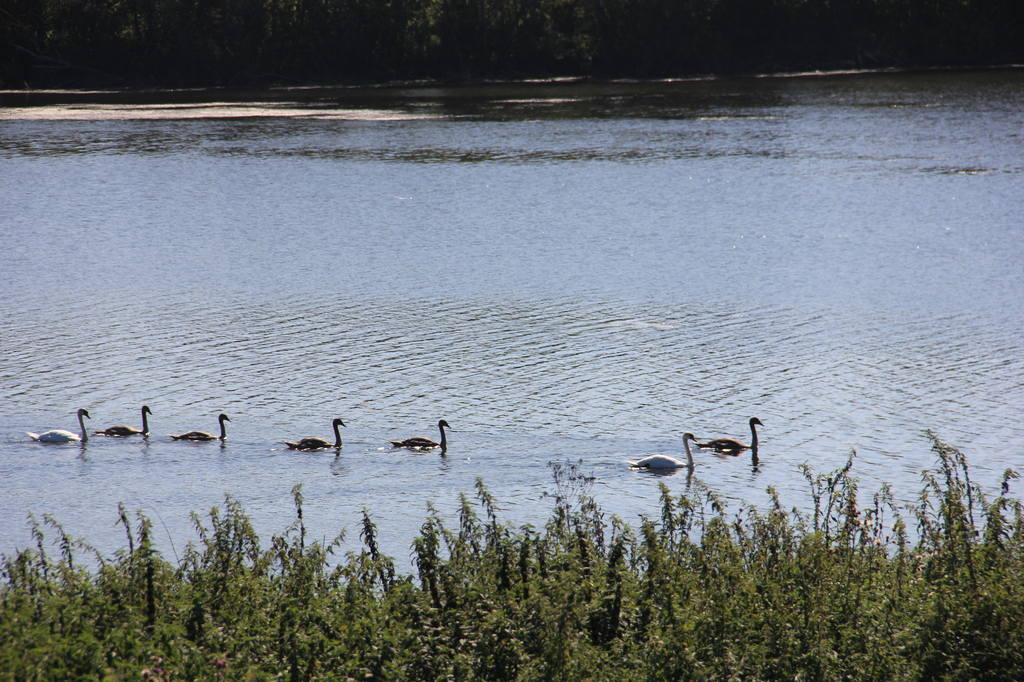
666,462
421,443
203,435
318,443
62,436
731,446
122,430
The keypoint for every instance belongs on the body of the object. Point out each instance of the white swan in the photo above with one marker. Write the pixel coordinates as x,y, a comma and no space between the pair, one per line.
666,462
62,436
319,443
203,435
731,446
122,430
421,443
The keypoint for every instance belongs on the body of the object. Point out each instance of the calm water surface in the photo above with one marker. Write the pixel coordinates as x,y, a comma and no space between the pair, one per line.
562,271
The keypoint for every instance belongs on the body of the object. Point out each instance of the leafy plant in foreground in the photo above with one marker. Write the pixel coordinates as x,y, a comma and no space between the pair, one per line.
839,591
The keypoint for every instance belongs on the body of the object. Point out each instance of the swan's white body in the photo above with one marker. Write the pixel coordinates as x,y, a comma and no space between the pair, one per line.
658,462
62,436
666,462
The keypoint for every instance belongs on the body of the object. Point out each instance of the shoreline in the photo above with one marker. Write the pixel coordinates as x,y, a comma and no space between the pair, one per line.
201,94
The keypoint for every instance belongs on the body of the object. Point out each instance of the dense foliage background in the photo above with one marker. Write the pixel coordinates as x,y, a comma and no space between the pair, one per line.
258,42
843,591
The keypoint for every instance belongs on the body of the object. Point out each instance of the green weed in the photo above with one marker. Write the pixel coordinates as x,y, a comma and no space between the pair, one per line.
840,591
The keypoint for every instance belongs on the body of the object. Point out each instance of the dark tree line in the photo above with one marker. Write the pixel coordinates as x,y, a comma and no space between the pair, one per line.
258,42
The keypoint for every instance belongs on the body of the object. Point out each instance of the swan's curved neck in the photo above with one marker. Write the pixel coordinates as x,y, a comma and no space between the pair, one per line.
145,424
337,435
444,439
753,443
223,431
81,425
689,455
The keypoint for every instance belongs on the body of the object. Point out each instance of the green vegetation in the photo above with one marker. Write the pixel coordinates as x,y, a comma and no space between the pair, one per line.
256,42
838,592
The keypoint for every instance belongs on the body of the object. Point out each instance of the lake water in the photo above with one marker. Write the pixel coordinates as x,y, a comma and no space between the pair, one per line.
563,271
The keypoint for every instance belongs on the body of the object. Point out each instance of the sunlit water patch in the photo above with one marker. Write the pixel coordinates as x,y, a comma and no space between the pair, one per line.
206,110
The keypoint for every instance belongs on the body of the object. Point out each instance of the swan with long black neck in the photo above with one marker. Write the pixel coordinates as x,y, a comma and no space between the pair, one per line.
203,435
731,446
319,443
123,430
421,443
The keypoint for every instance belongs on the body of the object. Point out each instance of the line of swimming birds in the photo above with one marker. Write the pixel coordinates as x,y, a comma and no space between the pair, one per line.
724,446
